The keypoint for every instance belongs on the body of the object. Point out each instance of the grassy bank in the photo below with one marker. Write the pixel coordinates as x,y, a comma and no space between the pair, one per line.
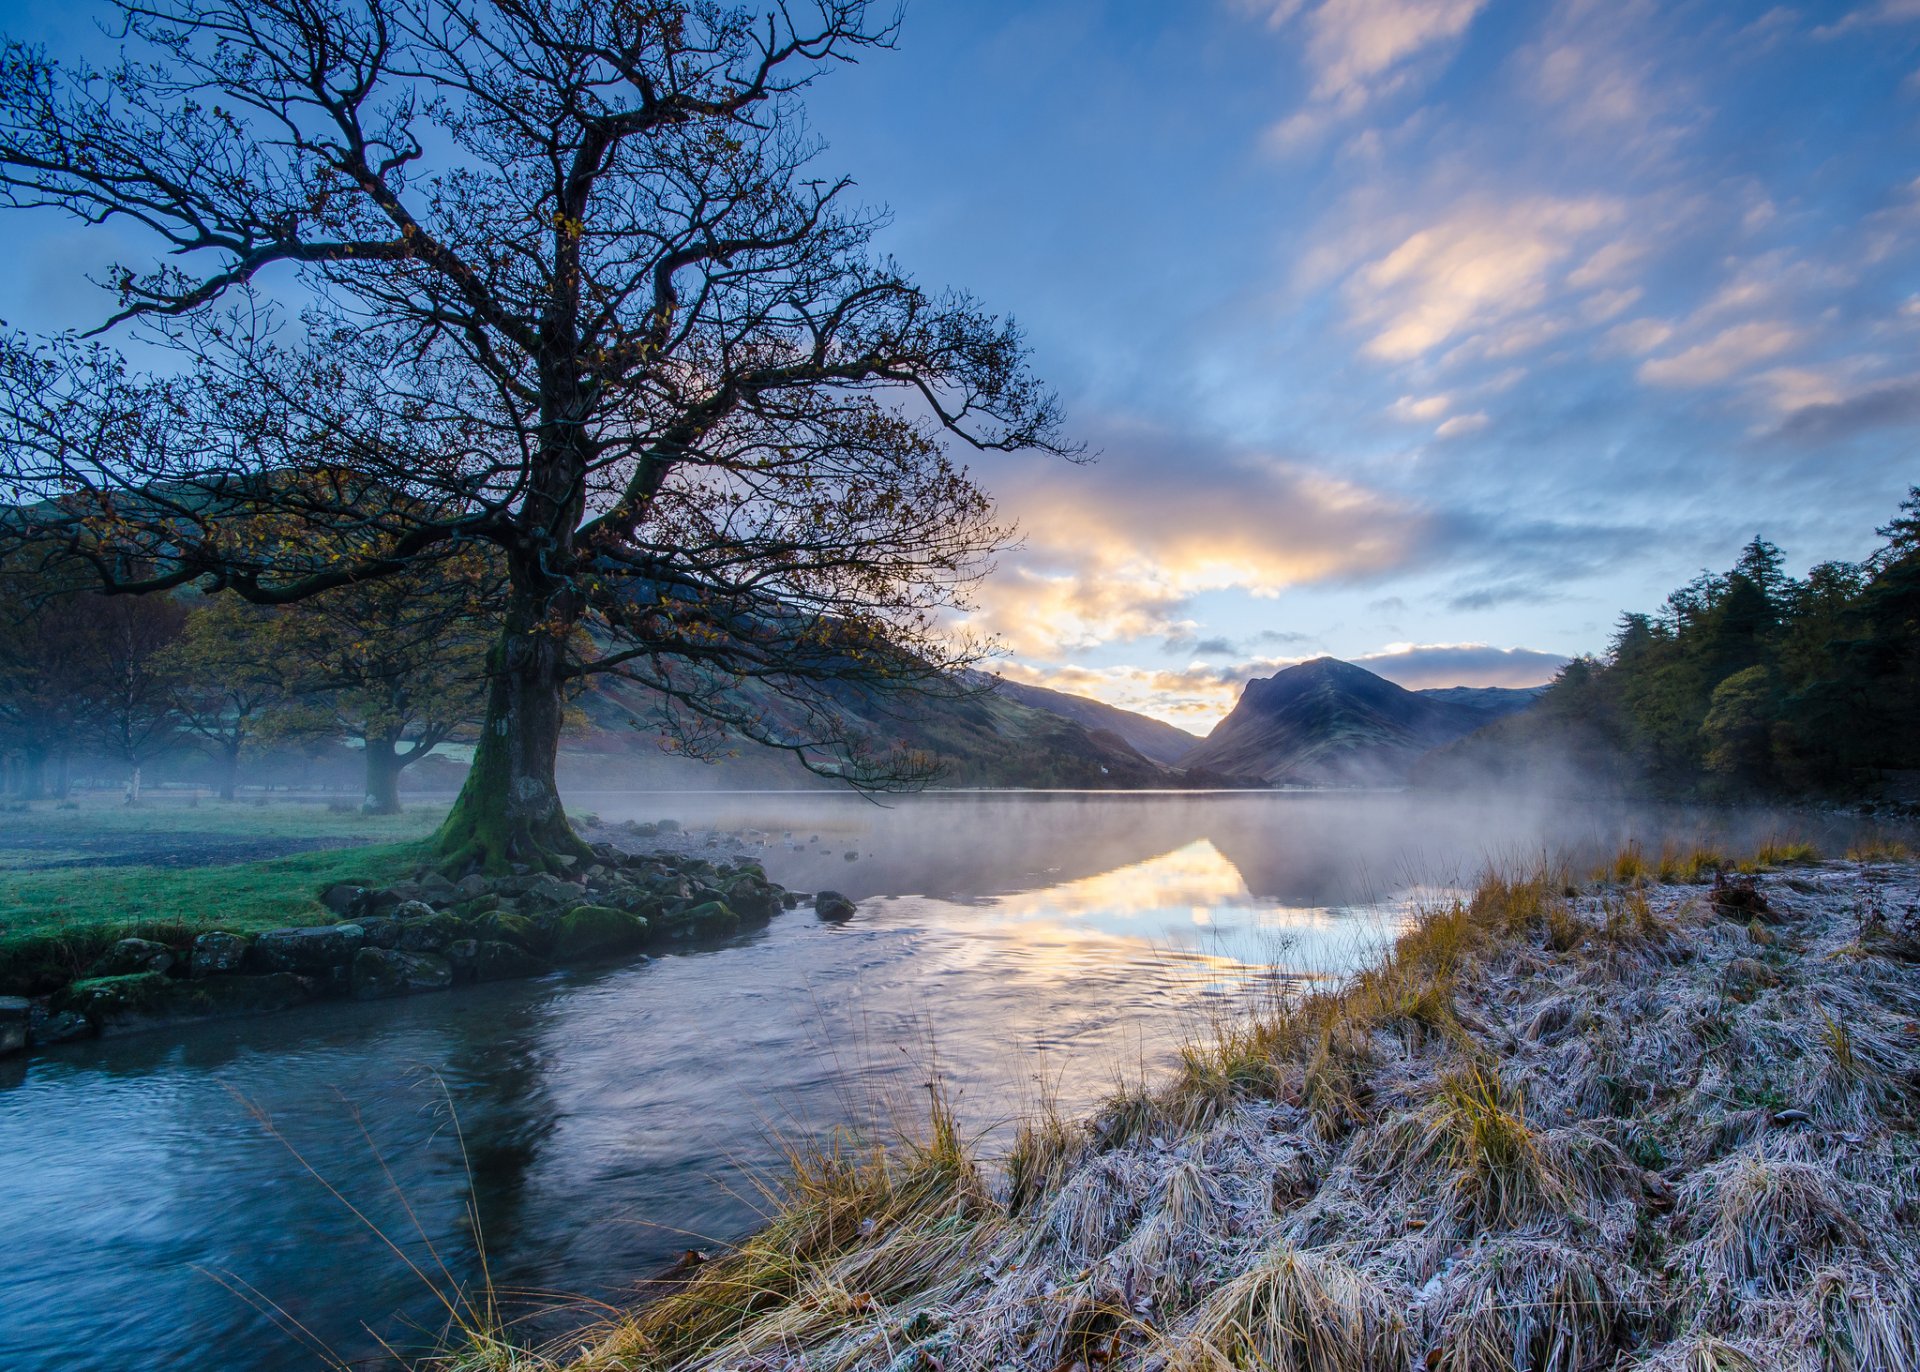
59,911
1635,1125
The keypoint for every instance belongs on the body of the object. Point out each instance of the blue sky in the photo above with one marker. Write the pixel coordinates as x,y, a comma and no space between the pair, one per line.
1426,333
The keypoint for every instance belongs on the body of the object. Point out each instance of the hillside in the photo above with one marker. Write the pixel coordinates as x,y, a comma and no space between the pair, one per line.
1151,738
1330,723
977,738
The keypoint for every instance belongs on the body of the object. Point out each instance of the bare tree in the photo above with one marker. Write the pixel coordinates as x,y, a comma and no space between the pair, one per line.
570,287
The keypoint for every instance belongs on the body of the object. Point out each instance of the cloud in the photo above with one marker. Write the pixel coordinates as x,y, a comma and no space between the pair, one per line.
1480,265
1216,647
1731,351
1420,409
1461,425
1418,666
1833,420
1361,50
1117,552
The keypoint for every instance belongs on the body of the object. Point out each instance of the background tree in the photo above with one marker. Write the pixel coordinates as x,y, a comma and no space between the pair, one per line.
229,678
576,294
125,689
45,633
397,664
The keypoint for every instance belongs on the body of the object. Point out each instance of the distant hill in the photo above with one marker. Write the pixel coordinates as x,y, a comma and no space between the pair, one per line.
1330,723
1151,738
984,737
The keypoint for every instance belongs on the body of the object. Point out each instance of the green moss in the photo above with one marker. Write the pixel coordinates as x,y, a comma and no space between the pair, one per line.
588,931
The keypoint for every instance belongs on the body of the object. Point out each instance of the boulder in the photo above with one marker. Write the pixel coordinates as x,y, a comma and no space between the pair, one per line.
316,948
149,999
343,898
382,931
472,887
833,907
432,934
752,898
217,952
463,955
46,1027
411,909
517,930
710,919
381,973
591,931
551,890
15,1012
132,955
495,961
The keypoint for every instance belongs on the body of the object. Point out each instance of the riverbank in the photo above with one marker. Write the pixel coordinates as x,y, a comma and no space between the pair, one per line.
88,948
1627,1124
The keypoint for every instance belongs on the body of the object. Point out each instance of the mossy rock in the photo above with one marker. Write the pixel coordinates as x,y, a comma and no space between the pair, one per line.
381,973
518,930
149,999
712,919
752,898
592,931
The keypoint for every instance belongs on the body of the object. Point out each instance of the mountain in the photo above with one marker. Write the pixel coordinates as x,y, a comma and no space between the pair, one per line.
983,737
1330,723
1149,737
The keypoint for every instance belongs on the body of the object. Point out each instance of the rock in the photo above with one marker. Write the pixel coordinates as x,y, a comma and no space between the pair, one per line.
412,909
343,897
461,955
313,949
217,952
381,973
589,931
432,934
707,920
517,930
47,1027
132,955
146,1000
553,891
472,887
832,906
495,961
15,1012
382,931
666,826
752,898
789,899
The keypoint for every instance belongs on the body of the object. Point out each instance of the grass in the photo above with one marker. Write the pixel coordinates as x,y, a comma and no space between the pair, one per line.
53,924
1537,1135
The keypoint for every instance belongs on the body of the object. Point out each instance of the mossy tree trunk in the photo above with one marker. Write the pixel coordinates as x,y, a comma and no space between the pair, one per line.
509,812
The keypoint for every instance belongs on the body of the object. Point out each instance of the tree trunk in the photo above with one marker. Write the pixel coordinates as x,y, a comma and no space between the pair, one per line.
33,780
229,770
509,813
383,777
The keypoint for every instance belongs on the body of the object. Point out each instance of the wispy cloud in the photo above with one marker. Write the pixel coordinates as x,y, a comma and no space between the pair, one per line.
1731,352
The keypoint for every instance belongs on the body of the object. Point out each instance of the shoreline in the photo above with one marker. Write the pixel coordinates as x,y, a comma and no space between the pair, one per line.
1632,1123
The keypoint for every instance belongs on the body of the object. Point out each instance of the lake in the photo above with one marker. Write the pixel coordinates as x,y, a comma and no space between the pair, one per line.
188,1198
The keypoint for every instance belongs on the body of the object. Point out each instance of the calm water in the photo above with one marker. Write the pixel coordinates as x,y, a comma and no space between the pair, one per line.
155,1211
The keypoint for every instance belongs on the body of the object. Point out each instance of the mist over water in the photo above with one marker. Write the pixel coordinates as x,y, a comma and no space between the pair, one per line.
610,1119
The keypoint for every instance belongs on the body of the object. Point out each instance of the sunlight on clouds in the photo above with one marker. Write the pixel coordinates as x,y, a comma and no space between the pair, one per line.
1479,266
1421,408
1732,351
1463,424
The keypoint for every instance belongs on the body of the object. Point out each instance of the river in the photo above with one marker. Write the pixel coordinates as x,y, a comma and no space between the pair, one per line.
195,1198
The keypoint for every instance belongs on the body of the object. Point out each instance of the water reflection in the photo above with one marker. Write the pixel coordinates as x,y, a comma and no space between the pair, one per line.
609,1116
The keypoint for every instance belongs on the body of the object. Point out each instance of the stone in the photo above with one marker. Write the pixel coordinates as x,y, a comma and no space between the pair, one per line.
591,931
832,906
431,934
15,1012
343,897
553,891
752,898
381,973
132,955
462,955
382,931
496,961
217,953
146,1000
666,826
315,948
517,930
47,1027
472,887
411,909
707,920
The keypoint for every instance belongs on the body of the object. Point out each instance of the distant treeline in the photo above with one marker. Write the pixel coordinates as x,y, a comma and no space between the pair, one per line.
1744,681
391,668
